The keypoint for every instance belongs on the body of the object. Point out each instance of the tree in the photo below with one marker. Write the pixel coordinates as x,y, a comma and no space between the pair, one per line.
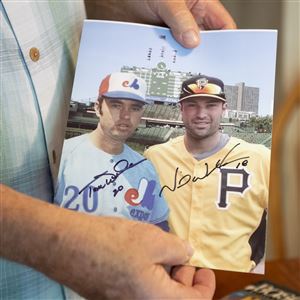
261,124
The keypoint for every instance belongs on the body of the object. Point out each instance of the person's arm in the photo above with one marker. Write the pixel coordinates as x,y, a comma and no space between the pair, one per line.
184,17
187,275
98,257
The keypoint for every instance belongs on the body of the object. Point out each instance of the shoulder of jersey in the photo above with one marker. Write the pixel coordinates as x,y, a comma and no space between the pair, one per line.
137,156
254,149
73,143
133,152
171,143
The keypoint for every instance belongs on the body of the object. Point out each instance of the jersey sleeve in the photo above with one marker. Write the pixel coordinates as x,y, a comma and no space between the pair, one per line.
60,184
265,169
70,145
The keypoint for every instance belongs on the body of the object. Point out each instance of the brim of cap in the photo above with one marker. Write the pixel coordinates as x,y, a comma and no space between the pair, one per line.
203,95
124,95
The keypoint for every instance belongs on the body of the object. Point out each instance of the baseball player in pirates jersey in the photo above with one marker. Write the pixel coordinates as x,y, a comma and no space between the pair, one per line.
99,174
216,186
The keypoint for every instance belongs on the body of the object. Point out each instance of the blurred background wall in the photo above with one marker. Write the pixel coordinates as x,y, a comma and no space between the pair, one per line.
284,208
283,15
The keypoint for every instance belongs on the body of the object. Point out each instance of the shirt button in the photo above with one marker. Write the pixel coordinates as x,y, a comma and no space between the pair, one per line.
34,54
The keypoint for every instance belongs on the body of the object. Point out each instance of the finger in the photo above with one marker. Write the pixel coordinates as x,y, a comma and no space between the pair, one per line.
205,283
183,274
214,16
180,20
171,250
203,286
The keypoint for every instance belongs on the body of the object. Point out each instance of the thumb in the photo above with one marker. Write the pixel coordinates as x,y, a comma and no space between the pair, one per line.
171,250
205,283
181,22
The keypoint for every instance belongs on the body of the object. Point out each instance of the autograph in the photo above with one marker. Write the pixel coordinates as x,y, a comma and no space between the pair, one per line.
219,164
120,167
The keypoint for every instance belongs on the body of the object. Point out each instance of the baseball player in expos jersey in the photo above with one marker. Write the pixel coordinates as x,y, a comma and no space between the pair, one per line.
216,186
99,174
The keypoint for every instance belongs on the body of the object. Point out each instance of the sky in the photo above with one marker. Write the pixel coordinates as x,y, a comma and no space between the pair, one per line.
232,55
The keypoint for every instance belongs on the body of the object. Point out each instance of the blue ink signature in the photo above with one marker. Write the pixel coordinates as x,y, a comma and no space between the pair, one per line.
119,168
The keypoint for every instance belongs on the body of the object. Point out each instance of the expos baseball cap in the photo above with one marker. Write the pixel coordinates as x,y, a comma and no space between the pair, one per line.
202,86
123,86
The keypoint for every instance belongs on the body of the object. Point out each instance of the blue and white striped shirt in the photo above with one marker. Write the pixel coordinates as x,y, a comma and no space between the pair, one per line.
39,44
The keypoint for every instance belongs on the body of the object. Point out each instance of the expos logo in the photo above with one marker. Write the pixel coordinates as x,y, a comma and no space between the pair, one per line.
143,195
133,85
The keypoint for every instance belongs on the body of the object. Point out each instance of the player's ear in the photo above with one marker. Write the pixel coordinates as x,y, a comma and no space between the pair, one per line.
143,108
98,107
180,106
224,108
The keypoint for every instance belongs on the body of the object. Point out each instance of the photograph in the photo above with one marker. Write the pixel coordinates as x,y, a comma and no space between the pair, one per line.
174,137
149,149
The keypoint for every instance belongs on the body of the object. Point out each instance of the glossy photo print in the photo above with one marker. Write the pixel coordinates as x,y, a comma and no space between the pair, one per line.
175,137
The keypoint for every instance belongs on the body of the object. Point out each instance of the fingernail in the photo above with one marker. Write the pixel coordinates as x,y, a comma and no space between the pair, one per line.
189,249
190,38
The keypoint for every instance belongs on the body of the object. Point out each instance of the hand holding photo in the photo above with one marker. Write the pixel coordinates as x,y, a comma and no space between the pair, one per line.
203,118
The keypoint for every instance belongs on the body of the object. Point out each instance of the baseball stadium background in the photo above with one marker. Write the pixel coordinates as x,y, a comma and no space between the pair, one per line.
162,119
